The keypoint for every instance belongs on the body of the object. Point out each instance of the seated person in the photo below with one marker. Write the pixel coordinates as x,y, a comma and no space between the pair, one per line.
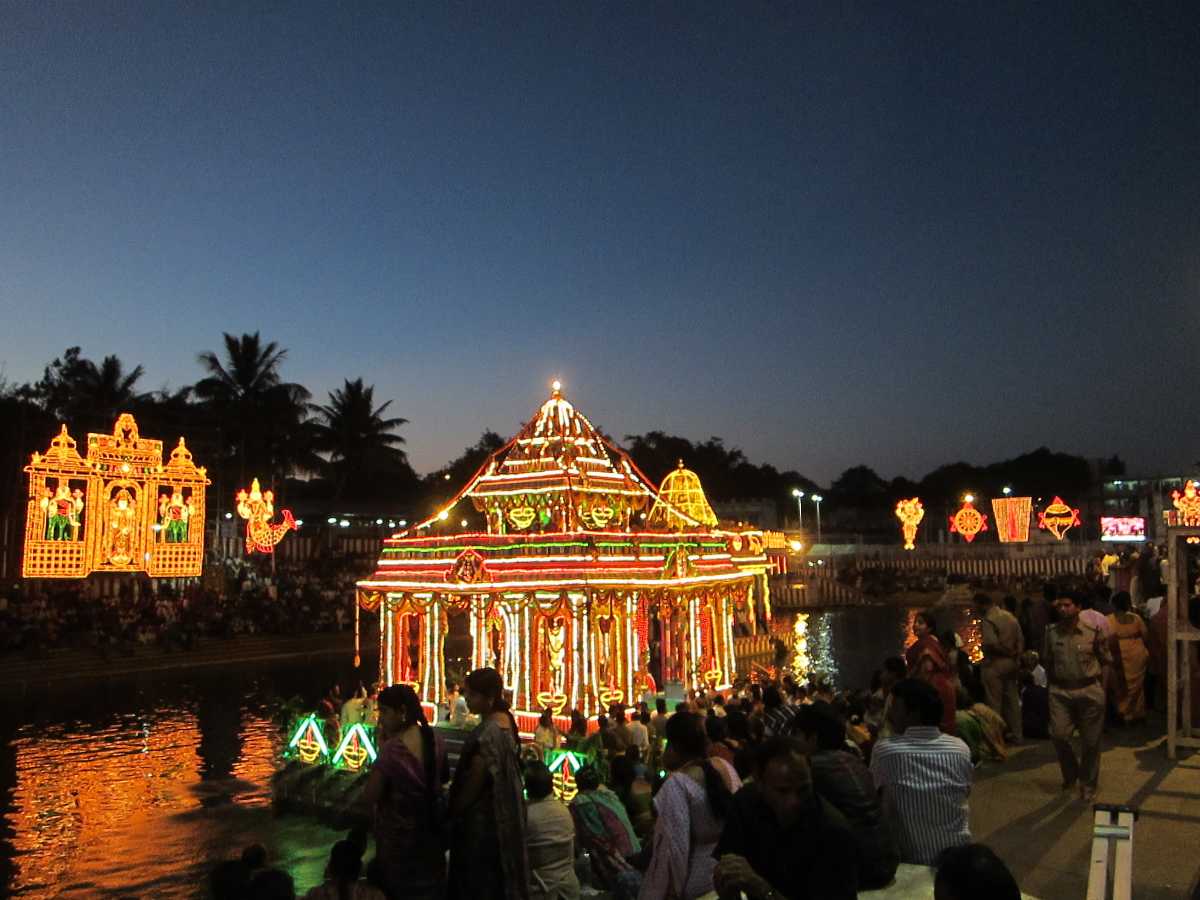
924,776
342,876
603,829
973,872
782,839
842,778
550,839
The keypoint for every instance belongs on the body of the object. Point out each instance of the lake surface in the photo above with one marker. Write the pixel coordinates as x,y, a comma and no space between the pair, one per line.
135,788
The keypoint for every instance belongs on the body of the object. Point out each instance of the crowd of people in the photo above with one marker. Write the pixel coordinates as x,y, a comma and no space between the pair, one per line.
777,789
294,599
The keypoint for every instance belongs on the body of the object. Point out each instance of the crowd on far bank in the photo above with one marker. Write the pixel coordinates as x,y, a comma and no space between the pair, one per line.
297,598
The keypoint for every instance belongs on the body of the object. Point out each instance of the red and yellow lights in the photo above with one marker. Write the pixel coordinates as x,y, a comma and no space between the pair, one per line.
1012,518
1058,518
257,507
910,513
968,521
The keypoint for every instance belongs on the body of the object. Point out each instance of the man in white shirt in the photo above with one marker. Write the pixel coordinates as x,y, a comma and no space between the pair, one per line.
550,839
924,777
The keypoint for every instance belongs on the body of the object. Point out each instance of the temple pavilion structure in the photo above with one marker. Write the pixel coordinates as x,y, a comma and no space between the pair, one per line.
586,585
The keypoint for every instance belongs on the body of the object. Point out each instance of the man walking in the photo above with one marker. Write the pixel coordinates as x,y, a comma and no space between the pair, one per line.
1002,644
1077,659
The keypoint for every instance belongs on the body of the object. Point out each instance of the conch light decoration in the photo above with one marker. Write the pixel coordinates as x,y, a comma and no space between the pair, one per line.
910,513
1058,518
968,521
257,507
1012,518
119,509
1187,506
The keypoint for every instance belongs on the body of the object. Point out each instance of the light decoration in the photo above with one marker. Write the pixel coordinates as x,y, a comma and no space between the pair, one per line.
1058,518
355,750
563,764
119,509
800,661
968,521
571,575
1012,518
1187,506
257,507
910,513
308,741
681,502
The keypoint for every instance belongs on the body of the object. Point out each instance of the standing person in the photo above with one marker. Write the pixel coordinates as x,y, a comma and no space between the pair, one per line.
545,736
1002,644
639,732
487,806
924,777
405,788
1129,631
550,838
658,731
927,660
457,704
1076,659
692,806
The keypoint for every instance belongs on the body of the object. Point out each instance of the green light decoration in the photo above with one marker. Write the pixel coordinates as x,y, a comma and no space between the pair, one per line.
563,764
308,742
355,749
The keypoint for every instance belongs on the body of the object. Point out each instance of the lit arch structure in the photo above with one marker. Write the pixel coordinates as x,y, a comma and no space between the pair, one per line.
572,592
119,509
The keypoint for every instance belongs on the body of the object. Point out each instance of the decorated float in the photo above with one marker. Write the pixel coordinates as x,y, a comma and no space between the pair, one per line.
586,585
581,582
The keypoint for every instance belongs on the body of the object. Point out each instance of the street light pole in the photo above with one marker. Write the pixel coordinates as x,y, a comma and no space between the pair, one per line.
799,495
817,498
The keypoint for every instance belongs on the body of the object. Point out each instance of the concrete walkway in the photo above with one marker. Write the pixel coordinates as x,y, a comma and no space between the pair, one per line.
1046,836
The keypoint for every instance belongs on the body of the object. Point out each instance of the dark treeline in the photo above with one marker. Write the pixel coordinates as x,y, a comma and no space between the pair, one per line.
243,419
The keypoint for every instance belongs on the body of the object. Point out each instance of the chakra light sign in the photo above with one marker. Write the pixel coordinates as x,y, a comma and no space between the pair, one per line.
968,521
119,509
910,513
257,507
1012,518
1058,518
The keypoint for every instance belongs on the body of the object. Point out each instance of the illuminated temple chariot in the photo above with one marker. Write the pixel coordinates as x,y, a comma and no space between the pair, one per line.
588,586
119,509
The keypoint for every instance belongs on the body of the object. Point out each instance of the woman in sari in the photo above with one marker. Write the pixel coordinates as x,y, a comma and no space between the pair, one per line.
488,858
1129,631
927,661
405,789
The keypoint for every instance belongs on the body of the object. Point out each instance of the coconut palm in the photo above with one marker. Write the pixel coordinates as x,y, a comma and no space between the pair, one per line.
74,389
262,417
360,442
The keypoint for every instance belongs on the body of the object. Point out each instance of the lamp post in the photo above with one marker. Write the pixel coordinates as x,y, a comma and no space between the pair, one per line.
817,498
799,495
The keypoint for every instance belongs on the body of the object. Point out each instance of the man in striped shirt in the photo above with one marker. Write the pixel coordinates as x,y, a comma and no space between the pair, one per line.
924,776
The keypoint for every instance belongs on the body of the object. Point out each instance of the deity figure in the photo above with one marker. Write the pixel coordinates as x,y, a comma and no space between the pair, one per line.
122,519
643,682
62,509
556,652
604,650
174,515
496,641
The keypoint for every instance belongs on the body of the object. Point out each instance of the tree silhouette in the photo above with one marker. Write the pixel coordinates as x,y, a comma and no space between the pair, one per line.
361,443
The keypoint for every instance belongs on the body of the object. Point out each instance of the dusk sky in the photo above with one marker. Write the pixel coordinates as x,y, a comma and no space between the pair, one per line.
900,235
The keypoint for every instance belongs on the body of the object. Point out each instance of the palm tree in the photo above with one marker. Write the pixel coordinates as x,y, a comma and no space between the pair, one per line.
262,416
360,442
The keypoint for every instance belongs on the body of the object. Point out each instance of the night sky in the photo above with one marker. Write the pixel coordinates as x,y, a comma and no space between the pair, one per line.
901,235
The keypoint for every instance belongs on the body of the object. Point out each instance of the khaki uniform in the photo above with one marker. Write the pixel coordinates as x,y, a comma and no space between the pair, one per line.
1075,658
1002,646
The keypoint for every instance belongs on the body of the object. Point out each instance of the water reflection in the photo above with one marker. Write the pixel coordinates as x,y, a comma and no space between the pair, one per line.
137,789
845,646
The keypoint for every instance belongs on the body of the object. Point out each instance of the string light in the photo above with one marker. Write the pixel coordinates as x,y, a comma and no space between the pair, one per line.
1058,518
910,513
1012,518
119,509
968,521
257,507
